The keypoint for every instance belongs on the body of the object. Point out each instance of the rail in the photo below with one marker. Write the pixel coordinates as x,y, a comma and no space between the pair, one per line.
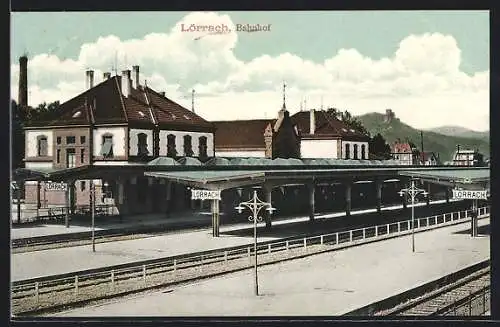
476,304
81,284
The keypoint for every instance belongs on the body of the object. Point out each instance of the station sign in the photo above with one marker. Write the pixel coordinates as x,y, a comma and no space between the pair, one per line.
56,186
468,194
205,195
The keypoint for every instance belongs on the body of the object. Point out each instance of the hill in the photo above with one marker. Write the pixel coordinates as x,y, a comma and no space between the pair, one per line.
460,132
443,144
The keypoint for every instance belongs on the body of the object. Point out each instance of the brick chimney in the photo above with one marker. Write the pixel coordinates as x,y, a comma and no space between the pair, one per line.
135,69
126,83
106,76
312,122
89,80
23,81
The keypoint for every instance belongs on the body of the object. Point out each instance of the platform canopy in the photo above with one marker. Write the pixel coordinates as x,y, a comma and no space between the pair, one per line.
471,178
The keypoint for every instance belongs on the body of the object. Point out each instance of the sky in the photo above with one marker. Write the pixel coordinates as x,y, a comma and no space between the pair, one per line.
430,67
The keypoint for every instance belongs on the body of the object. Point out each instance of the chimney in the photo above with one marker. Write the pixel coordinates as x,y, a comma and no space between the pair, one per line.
162,93
312,121
23,82
89,80
106,76
135,69
126,83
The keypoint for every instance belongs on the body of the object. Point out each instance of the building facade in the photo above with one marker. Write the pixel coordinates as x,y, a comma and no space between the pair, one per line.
467,157
405,153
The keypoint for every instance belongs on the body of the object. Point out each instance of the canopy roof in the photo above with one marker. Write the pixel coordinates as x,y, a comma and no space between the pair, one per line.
466,178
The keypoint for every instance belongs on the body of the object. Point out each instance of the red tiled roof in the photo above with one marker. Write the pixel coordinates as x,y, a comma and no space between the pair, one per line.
401,148
326,126
105,104
241,134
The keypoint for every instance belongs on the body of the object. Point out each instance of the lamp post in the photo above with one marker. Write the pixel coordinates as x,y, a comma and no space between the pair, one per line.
412,191
255,205
92,211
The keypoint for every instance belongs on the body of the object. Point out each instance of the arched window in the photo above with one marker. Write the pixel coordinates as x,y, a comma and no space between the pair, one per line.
188,147
42,146
107,146
347,151
363,151
171,151
202,147
142,144
355,151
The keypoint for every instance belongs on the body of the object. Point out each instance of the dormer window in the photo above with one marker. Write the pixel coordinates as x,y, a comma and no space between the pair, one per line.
142,144
187,117
77,114
174,116
352,130
141,114
344,130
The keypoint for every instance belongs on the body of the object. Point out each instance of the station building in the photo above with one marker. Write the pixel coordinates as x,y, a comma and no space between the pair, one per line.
117,122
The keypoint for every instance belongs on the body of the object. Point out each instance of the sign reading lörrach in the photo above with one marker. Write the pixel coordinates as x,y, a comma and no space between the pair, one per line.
205,195
466,194
56,186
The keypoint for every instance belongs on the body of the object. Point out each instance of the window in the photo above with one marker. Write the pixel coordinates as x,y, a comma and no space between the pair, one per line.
202,147
42,146
58,139
347,151
188,148
363,152
58,158
82,155
70,140
142,144
70,158
171,151
82,186
82,139
355,151
107,146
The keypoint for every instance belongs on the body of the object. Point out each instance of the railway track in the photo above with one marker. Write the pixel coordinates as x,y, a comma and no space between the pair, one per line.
439,301
464,293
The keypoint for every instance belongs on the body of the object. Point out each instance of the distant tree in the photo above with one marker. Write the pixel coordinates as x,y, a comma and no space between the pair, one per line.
347,118
379,148
18,116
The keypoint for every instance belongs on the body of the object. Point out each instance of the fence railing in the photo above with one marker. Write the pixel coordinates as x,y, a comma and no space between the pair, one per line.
57,213
111,277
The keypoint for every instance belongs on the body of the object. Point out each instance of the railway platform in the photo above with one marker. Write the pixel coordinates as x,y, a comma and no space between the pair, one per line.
329,284
76,258
202,218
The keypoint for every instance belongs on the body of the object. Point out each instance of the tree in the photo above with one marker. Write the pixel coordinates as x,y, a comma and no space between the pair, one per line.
379,147
22,116
17,134
348,119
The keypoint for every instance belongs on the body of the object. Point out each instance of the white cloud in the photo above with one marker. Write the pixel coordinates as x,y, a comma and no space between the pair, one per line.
421,81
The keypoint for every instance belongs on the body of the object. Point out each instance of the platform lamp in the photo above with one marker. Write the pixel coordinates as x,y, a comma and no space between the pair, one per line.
412,191
255,205
92,209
